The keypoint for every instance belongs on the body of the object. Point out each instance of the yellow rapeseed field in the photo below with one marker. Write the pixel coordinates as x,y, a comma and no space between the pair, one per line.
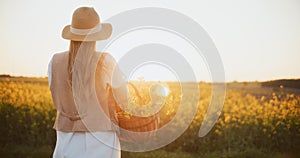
254,119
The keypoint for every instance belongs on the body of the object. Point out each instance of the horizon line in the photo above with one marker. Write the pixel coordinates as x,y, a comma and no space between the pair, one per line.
21,76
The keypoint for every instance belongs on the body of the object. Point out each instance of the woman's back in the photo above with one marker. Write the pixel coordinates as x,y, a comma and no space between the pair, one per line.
87,114
80,134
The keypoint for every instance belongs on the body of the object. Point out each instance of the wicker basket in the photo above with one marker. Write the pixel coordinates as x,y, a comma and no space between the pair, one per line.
137,129
133,128
138,124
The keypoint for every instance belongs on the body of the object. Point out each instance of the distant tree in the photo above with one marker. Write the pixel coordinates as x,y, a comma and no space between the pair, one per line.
4,76
287,83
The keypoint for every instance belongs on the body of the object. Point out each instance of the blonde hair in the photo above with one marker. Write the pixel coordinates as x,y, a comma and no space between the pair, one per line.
87,50
84,54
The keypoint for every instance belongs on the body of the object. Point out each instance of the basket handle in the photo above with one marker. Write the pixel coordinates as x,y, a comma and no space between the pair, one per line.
135,90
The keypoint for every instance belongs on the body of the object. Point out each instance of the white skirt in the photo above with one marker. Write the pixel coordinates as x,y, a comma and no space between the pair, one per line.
87,145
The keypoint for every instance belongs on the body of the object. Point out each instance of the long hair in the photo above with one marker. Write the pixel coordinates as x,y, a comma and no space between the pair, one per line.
82,66
82,59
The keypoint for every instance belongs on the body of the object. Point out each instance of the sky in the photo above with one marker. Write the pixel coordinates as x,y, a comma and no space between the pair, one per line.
256,39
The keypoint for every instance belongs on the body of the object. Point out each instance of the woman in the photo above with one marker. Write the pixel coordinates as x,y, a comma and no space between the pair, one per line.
78,81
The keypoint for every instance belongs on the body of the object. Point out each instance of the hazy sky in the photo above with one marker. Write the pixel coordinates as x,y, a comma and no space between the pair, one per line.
257,39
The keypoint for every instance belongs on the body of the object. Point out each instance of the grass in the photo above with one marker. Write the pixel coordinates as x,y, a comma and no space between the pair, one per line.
21,151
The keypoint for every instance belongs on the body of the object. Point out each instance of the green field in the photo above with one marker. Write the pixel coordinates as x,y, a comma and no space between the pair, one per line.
256,121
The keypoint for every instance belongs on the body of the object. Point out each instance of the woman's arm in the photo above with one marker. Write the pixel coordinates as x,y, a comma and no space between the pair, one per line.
50,71
117,80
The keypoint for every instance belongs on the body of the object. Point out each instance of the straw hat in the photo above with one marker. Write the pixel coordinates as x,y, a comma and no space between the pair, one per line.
86,26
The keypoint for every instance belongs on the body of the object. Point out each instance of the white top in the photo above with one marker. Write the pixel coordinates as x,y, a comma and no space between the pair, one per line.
85,144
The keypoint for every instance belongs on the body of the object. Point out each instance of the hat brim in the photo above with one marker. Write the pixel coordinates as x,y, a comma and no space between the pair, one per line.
103,34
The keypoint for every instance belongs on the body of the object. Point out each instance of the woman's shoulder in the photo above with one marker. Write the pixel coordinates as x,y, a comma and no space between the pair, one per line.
107,58
105,54
56,54
60,53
